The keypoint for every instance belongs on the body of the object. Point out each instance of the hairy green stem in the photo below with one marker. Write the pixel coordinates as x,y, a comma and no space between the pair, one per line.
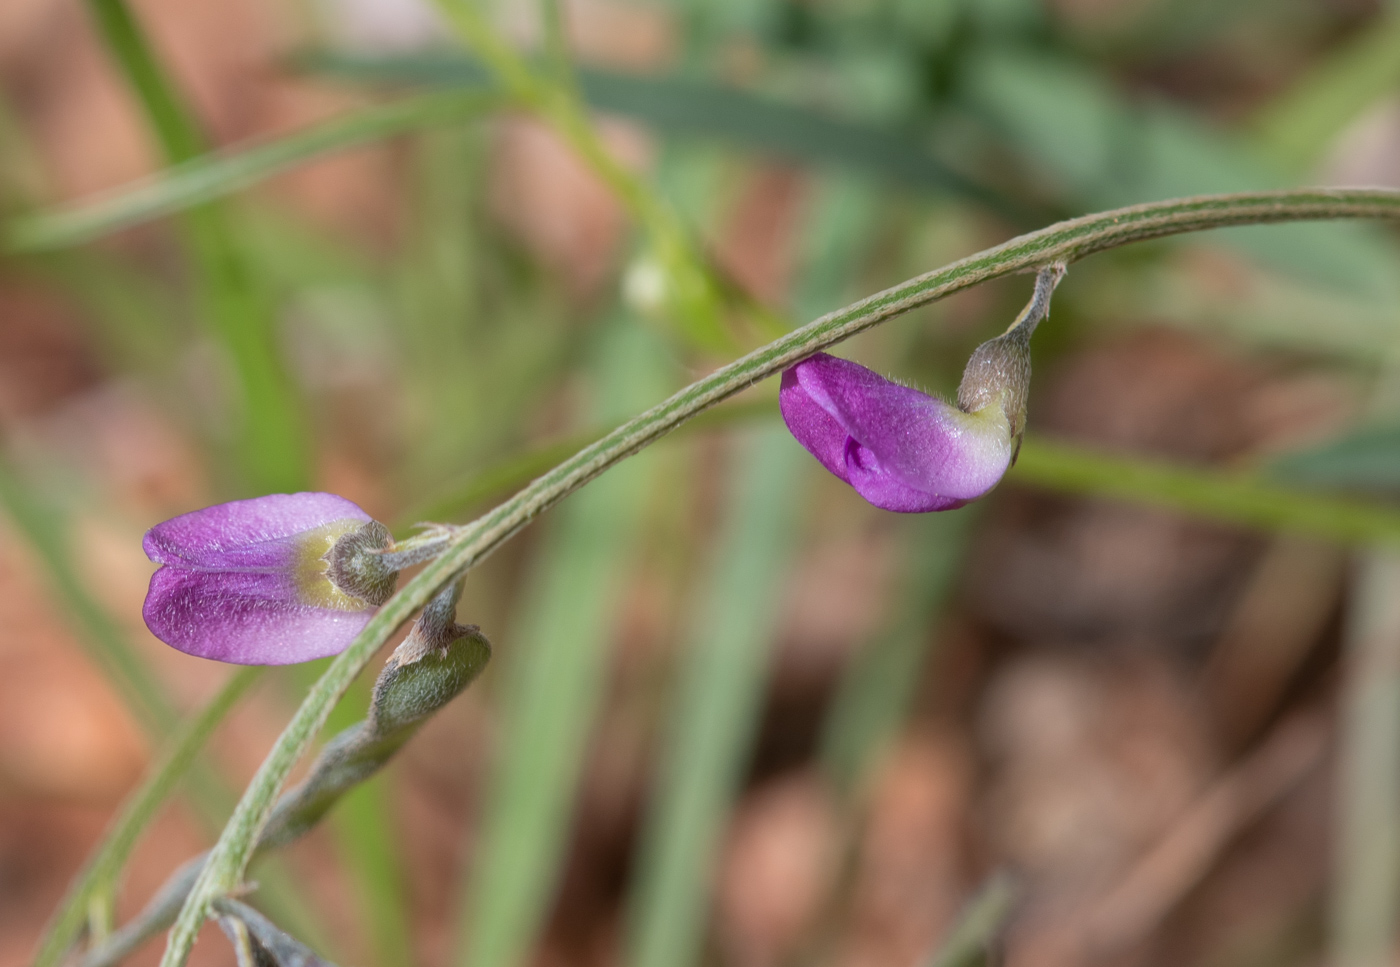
1063,242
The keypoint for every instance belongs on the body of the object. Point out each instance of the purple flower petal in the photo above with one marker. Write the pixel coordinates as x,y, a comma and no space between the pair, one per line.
816,429
247,618
247,582
245,533
900,449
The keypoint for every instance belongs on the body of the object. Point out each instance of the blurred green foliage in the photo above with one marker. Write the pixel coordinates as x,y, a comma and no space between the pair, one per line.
919,131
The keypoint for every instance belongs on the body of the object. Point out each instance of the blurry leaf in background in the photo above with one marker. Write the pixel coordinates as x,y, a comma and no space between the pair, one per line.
697,109
555,660
717,699
1367,459
1072,129
1297,127
205,177
877,691
268,436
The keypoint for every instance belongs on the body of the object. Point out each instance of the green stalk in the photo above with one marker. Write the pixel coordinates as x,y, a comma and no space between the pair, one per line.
1063,242
97,881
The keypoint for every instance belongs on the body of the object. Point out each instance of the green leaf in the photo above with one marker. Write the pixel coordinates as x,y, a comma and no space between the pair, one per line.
270,448
1366,459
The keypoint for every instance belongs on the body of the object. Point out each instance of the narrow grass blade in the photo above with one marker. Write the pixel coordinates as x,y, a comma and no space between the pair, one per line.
1365,459
270,448
877,691
554,686
98,634
169,115
97,881
690,108
720,693
1366,894
1301,124
974,935
1240,499
211,176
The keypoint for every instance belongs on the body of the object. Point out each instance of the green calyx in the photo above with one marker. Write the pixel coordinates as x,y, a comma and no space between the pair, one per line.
355,568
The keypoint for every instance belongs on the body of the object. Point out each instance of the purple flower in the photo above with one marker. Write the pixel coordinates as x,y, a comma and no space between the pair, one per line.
906,451
900,449
269,581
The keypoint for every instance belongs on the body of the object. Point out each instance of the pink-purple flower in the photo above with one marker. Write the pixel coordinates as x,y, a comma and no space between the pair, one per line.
904,450
901,449
268,581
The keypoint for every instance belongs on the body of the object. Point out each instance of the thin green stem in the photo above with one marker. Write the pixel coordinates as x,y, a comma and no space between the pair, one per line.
98,878
1063,242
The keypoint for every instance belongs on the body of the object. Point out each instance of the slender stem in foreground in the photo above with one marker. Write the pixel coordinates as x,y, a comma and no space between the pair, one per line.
1063,242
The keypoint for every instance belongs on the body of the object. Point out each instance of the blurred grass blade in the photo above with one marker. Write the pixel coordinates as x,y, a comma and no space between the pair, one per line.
98,634
270,448
878,689
207,177
404,697
687,107
1366,895
1240,499
1365,459
555,681
1298,127
97,881
1268,502
720,691
107,645
1104,149
516,471
170,117
974,935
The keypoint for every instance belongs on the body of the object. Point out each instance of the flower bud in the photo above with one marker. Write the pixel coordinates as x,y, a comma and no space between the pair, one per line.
269,581
906,451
